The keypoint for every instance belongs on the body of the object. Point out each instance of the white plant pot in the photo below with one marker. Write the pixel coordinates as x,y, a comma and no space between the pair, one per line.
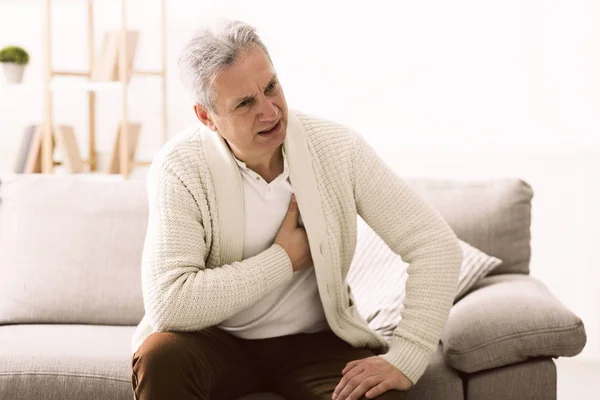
13,72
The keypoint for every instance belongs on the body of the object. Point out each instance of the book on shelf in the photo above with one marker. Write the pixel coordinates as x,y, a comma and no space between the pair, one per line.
106,66
133,133
26,143
65,138
33,163
29,157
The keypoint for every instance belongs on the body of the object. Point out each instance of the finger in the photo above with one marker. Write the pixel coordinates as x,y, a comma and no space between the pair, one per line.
351,386
350,365
291,218
346,379
378,390
365,386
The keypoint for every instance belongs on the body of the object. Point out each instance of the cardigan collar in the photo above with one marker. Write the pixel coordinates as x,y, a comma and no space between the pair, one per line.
227,182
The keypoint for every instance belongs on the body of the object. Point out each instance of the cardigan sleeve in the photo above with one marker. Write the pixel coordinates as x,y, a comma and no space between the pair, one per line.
179,292
422,238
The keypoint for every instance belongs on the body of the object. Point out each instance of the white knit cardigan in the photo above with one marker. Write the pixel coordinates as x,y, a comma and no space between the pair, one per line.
193,275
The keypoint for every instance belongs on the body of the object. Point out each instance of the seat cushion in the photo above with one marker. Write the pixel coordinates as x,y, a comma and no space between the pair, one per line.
48,362
493,216
70,250
507,319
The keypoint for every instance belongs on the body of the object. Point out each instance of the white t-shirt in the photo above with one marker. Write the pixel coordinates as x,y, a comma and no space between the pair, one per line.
294,307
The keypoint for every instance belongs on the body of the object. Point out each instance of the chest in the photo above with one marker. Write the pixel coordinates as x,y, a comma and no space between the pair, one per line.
265,207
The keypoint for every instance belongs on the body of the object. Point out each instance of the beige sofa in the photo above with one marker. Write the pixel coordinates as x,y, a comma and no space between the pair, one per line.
70,293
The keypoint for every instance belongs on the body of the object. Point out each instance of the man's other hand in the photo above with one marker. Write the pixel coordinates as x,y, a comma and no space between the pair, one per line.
292,237
369,377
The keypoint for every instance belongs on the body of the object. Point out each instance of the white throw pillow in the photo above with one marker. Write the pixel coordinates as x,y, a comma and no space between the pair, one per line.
377,278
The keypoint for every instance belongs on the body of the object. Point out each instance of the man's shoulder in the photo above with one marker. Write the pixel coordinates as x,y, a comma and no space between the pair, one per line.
313,122
181,149
322,131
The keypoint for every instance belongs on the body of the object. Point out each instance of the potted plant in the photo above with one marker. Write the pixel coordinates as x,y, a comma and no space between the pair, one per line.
13,59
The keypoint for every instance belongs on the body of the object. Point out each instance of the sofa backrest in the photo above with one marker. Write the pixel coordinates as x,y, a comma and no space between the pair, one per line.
70,247
70,250
493,216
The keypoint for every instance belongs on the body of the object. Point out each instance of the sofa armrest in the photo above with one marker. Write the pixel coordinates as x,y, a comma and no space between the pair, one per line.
507,319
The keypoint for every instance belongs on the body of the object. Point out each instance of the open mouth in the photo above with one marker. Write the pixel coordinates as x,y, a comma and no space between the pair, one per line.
271,131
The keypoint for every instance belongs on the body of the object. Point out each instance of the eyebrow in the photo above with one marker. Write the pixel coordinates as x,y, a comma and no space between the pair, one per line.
251,97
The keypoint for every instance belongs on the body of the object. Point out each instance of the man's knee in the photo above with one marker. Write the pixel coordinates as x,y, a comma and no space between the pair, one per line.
162,354
163,367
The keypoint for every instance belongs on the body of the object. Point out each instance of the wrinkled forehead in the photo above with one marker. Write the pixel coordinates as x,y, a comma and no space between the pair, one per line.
246,77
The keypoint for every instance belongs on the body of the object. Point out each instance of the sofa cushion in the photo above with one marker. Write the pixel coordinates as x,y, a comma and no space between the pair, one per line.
48,362
70,250
44,362
493,216
507,319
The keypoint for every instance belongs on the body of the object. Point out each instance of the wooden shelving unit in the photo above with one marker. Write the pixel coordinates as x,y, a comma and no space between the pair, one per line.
123,140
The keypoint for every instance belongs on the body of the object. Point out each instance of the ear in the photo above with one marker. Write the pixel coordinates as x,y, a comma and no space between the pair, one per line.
204,117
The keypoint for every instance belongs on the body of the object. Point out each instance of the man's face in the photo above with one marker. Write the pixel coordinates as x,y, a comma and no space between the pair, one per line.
250,108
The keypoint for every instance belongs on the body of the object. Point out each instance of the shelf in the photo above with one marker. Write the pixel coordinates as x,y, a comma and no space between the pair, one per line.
84,85
20,87
86,73
148,73
117,48
75,80
60,85
142,163
70,73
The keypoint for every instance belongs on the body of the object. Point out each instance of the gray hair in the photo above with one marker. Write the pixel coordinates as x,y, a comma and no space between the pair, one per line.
209,52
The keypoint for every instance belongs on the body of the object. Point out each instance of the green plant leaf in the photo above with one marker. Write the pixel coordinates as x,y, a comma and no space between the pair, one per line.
14,54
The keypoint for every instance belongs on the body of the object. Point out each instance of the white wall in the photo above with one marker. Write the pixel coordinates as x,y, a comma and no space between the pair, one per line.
465,89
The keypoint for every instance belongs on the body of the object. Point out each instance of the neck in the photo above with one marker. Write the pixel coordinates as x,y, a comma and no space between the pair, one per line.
269,166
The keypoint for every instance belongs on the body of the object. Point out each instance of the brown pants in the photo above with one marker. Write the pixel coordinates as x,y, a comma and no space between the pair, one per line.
212,364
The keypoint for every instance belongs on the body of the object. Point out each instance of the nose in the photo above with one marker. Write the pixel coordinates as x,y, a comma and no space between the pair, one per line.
268,111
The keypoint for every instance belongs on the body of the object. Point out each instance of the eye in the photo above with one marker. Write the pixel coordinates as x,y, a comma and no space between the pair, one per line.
243,103
271,87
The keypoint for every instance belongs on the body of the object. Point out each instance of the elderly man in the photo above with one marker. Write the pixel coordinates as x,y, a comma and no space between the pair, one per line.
251,232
